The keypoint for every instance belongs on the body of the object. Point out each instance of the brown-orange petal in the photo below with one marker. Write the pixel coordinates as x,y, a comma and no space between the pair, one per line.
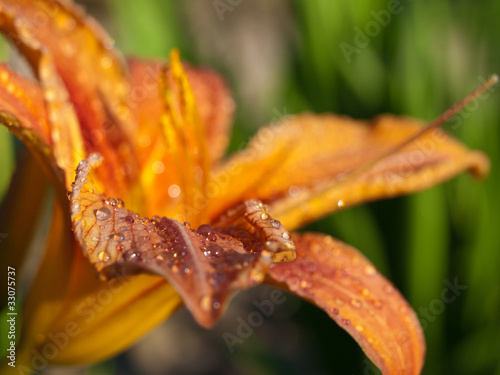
301,165
341,281
205,266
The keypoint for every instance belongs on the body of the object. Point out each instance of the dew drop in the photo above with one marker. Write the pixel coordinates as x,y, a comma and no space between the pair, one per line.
346,322
388,289
103,256
129,219
144,141
103,213
286,235
340,203
339,302
305,284
119,237
369,270
145,220
158,167
335,311
275,223
264,216
293,191
174,191
106,62
205,230
356,303
212,237
109,43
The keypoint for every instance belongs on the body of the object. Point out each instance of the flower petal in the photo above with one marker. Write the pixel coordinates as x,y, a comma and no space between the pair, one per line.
20,208
311,163
75,62
205,266
341,281
70,316
23,98
214,103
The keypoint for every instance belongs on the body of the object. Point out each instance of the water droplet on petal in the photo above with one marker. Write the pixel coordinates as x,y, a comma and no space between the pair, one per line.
286,235
340,203
264,216
369,270
275,223
356,303
129,219
293,191
174,191
388,289
103,213
103,256
205,230
119,237
304,284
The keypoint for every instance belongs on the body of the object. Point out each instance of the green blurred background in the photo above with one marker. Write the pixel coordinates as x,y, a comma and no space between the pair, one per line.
283,57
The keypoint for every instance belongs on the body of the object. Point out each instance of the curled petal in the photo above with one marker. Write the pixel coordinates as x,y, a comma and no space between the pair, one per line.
341,281
205,265
315,165
23,98
83,80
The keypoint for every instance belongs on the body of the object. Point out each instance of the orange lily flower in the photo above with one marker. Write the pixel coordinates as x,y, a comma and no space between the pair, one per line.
162,220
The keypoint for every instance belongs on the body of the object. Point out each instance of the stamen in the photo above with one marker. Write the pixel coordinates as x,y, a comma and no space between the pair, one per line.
184,135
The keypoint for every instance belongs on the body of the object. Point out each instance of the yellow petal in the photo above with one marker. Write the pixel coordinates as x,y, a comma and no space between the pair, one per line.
19,212
72,317
341,281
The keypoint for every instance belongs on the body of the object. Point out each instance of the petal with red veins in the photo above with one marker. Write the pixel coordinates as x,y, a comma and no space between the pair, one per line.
341,281
205,265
